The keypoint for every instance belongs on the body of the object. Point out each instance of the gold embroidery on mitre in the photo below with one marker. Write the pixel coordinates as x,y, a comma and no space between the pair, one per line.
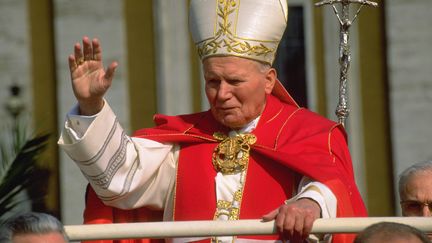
225,38
232,153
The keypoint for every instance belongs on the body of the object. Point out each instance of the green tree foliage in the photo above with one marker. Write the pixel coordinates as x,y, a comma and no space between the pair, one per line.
18,168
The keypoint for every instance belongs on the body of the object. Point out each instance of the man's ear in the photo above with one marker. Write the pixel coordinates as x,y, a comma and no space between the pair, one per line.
270,80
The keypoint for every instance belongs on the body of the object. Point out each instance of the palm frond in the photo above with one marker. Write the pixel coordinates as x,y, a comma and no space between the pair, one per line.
16,176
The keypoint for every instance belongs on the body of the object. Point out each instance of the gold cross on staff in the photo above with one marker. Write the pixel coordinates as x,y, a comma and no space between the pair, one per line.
342,110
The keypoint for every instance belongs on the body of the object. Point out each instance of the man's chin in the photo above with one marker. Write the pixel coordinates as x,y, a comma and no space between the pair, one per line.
232,125
230,122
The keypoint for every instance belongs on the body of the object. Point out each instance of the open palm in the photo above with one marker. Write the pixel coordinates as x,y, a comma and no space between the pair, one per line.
90,81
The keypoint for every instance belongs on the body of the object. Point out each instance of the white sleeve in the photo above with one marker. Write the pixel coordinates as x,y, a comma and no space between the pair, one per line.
320,193
125,172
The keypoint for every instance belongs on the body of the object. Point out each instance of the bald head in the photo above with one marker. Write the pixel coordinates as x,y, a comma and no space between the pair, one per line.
389,232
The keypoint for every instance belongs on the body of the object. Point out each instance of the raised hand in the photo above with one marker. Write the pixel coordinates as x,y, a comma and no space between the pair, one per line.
90,81
294,220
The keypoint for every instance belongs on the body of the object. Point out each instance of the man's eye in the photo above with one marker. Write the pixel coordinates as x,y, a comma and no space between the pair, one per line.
235,81
212,81
413,206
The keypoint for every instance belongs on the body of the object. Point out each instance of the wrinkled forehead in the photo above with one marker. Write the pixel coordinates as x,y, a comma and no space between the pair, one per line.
418,183
420,176
229,64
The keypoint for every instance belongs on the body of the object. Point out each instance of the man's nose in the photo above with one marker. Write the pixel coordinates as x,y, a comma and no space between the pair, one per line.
426,212
224,91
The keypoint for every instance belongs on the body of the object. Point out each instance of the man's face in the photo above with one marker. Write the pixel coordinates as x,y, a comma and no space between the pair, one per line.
236,89
417,197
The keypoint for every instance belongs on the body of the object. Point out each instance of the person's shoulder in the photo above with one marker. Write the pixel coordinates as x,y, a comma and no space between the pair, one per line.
303,118
294,112
192,118
309,116
174,127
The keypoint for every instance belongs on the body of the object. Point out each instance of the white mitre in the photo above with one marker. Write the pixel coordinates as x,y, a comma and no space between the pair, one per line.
245,28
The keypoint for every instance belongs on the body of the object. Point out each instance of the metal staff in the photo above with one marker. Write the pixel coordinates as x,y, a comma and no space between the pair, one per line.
342,110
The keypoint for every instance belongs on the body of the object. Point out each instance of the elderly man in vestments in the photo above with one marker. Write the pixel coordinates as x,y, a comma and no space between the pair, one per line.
254,155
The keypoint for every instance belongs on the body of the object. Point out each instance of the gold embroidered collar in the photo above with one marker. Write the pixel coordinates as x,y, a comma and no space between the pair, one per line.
232,153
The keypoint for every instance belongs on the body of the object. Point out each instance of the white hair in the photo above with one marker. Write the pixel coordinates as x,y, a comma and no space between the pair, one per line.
263,66
404,177
32,222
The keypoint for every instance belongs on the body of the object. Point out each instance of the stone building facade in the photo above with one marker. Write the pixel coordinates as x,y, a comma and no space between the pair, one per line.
159,72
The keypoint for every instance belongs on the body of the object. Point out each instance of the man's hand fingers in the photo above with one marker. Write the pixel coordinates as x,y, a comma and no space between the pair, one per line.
72,63
294,220
308,224
291,224
297,231
270,216
97,50
109,73
88,49
280,221
79,59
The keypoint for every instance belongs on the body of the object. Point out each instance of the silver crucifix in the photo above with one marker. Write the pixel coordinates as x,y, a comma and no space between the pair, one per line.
342,110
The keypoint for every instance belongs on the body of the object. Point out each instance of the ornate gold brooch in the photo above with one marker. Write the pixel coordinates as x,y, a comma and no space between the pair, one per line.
232,153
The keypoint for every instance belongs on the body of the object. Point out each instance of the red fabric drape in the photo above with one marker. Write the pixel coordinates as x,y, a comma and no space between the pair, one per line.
294,138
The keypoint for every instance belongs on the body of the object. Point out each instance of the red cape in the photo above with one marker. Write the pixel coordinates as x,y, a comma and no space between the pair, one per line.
294,137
